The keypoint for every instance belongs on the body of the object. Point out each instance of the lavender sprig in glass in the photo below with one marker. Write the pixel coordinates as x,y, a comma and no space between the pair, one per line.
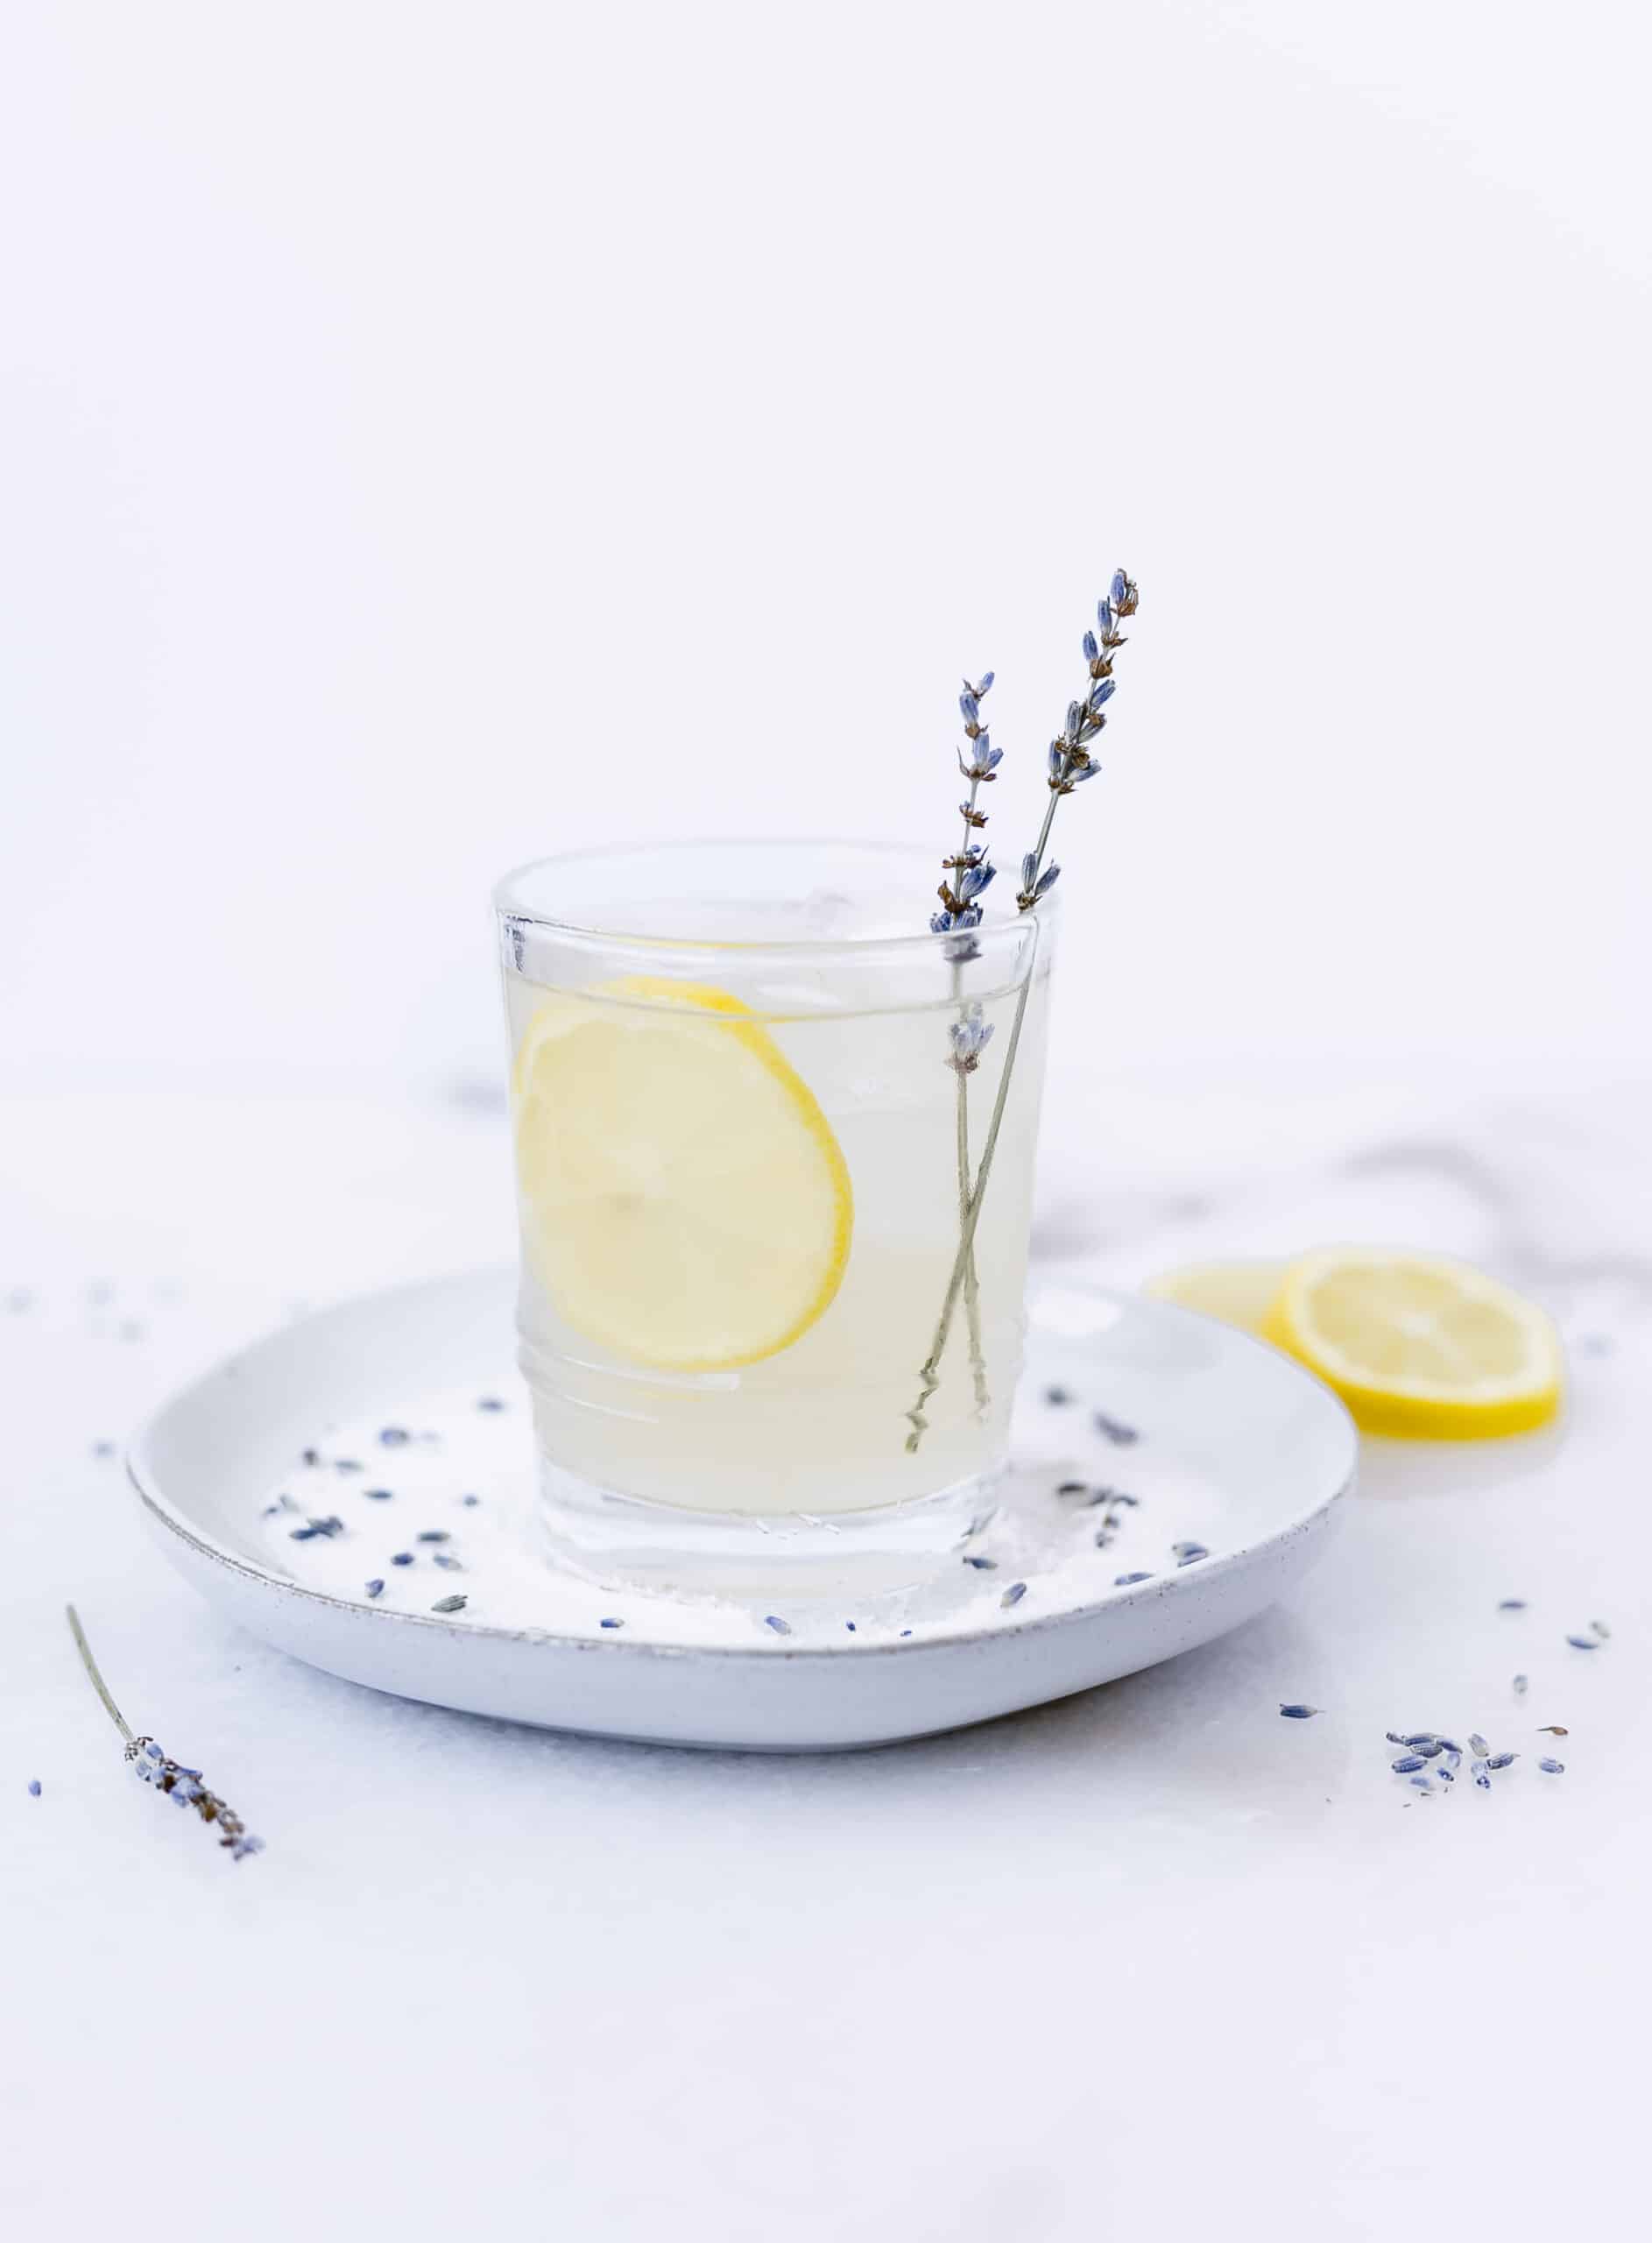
1070,765
968,874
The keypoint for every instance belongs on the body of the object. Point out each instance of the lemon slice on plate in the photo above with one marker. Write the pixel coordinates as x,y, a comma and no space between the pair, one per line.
1418,1346
1234,1292
684,1201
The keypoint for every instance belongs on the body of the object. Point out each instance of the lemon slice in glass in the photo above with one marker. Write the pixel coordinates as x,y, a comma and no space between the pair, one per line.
684,1201
1418,1346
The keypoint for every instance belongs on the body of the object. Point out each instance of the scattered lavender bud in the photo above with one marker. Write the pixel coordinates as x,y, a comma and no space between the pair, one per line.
1012,1595
1423,1736
1446,1745
375,1587
103,1448
1188,1553
1394,1737
850,1626
469,1502
323,1528
1127,1580
450,1604
402,1558
1111,1429
1513,1604
1406,1765
983,1565
1483,1780
1477,1744
1502,1759
1445,1774
449,1564
611,1623
1600,1629
1584,1643
1431,1750
377,1494
780,1627
1298,1713
1057,1396
311,1456
434,1534
1552,1767
490,1402
345,1464
1522,1684
394,1437
1073,1488
34,1786
1422,1783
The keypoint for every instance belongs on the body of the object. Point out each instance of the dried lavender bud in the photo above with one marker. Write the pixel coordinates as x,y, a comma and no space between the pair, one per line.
1298,1713
1552,1767
450,1604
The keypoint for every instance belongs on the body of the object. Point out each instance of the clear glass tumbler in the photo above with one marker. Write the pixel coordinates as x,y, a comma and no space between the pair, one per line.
774,1161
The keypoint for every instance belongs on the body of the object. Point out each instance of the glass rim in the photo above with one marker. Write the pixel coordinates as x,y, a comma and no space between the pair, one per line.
994,935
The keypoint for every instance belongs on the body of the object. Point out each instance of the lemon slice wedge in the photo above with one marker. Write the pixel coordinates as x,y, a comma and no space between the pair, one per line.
684,1201
1420,1346
1234,1292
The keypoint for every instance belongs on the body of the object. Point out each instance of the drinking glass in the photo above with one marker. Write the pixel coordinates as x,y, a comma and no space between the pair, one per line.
771,1306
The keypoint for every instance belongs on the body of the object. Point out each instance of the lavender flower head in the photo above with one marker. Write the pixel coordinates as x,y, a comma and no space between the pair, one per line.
968,1037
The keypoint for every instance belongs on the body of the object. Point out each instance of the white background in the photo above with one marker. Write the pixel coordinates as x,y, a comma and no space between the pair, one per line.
436,435
430,436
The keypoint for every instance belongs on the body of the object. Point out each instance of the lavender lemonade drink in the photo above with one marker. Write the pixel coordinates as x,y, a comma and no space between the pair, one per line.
775,1121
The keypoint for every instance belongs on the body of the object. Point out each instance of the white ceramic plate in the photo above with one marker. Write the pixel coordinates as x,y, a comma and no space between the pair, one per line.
395,1422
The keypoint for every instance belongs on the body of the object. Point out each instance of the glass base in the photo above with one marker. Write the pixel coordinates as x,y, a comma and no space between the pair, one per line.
626,1542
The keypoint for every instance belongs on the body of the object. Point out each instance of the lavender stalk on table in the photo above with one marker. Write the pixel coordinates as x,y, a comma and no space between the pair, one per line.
182,1786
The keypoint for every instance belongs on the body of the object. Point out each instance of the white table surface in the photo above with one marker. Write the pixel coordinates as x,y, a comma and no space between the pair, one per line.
1147,1963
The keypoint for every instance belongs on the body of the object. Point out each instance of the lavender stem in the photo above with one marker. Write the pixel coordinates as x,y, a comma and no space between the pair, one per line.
91,1667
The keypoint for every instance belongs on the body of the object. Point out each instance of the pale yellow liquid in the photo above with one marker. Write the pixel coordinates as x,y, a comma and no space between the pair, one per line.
823,1427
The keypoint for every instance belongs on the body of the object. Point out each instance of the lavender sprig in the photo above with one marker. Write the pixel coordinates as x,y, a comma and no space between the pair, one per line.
969,873
182,1786
1070,766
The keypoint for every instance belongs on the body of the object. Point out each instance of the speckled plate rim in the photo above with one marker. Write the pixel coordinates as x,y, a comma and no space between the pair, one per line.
176,1521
